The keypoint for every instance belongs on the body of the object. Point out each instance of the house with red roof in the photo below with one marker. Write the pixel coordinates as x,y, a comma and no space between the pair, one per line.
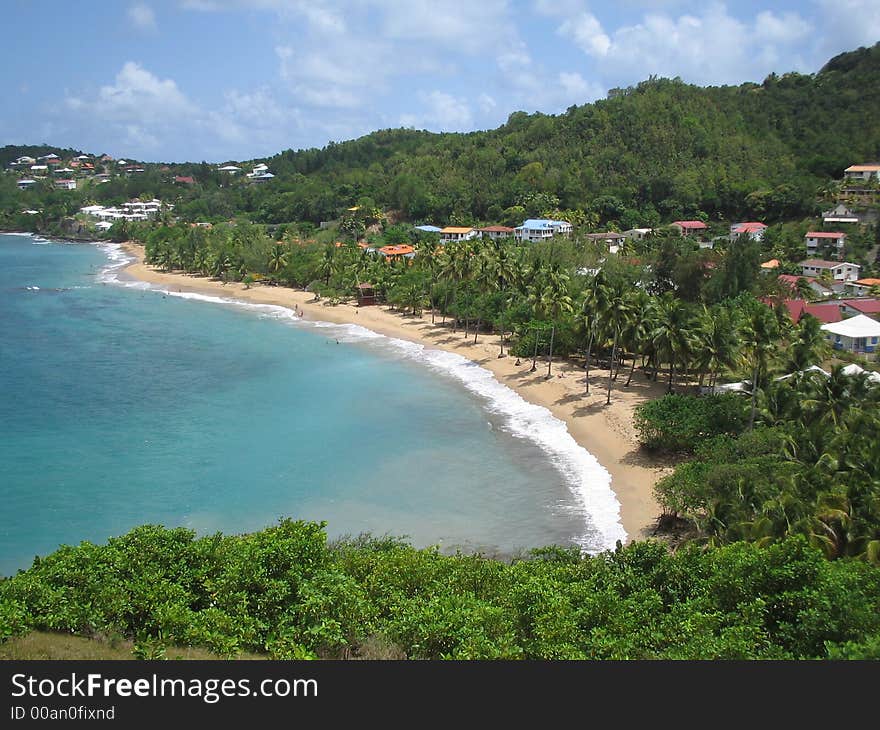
689,228
790,282
397,251
496,232
825,312
184,179
825,239
753,229
868,307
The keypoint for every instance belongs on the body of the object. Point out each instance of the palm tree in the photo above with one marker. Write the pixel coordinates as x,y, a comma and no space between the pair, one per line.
278,258
549,296
671,334
758,335
594,301
808,347
614,314
715,343
637,327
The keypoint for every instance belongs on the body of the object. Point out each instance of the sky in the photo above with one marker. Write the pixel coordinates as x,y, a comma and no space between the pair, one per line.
228,80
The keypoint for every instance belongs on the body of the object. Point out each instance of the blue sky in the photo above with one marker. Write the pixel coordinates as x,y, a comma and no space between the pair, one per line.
175,80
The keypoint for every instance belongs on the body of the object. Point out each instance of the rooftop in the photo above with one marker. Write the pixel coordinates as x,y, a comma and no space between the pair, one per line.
858,326
822,264
690,225
863,168
825,234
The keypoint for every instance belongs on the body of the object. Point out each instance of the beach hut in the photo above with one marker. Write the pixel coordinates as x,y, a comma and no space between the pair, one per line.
366,295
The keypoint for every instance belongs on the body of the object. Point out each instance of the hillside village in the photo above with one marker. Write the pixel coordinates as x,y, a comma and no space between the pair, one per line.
833,276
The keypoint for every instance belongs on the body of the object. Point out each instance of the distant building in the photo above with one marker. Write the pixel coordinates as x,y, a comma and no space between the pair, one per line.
184,179
541,229
861,286
859,335
790,281
638,234
816,239
689,228
429,229
231,169
862,173
26,184
770,265
753,229
610,239
397,251
840,214
457,233
825,312
65,184
851,307
496,232
842,271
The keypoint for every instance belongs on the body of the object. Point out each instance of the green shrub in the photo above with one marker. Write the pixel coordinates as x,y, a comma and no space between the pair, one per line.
677,423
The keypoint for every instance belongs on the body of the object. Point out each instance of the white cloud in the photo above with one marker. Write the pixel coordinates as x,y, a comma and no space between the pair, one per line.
708,47
139,94
141,16
577,89
586,31
440,112
847,24
486,103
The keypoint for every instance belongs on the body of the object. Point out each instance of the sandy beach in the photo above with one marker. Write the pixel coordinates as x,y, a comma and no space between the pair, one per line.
605,431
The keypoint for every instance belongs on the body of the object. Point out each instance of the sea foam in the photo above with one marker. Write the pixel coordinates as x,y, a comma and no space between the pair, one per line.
589,481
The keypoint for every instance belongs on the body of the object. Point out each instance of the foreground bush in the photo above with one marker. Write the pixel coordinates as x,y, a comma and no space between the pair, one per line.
287,593
678,423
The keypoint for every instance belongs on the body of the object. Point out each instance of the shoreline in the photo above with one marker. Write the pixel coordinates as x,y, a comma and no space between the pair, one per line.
604,431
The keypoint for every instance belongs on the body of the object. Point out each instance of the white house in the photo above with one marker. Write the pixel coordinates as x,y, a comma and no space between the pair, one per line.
25,160
862,173
103,225
540,229
753,229
843,271
815,239
26,184
610,239
859,334
65,184
840,214
231,169
457,233
50,156
638,234
39,168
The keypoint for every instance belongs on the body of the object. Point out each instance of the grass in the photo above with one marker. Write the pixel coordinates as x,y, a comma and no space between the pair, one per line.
39,645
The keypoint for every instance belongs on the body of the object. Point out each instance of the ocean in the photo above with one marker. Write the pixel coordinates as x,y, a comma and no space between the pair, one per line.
122,404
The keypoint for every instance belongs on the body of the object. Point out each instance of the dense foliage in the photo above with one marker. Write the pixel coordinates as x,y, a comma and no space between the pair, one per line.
809,468
683,422
286,592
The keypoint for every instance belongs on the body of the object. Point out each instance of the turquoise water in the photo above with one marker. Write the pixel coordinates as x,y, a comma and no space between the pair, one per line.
121,405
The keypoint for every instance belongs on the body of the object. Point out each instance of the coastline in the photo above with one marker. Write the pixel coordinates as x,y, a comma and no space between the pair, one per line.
604,431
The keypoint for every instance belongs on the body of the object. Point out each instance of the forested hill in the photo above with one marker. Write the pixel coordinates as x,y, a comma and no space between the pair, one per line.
659,150
646,155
